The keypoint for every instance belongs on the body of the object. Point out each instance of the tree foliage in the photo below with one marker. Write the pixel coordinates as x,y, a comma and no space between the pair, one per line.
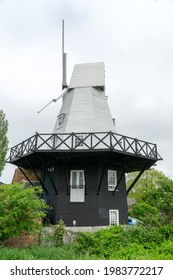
148,214
20,210
149,180
155,189
3,140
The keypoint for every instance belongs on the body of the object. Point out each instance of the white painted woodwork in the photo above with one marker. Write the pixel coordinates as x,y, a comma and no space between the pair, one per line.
85,105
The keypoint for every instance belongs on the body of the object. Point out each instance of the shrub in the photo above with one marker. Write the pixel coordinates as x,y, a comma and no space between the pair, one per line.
166,230
166,250
148,214
130,252
136,234
85,242
59,230
113,243
119,242
20,210
102,243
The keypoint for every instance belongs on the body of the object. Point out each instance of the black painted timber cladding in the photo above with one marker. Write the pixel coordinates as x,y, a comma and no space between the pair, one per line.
98,200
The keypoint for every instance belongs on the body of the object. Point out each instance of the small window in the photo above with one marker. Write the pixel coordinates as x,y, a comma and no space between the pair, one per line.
112,179
77,186
78,140
113,217
61,120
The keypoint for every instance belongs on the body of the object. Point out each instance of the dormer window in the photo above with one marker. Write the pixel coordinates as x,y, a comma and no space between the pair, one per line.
61,120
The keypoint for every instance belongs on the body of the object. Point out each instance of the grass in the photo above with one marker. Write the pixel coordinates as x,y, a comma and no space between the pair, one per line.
65,252
68,252
116,243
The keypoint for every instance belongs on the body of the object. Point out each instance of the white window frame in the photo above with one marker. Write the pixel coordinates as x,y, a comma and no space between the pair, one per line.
61,118
113,217
77,191
112,183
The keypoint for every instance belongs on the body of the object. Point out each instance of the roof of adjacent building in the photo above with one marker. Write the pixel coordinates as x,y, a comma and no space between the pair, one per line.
131,201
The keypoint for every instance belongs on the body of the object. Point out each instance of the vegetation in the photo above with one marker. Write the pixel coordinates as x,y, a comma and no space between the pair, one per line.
20,210
149,215
41,253
152,240
154,189
133,242
59,231
117,242
3,140
149,180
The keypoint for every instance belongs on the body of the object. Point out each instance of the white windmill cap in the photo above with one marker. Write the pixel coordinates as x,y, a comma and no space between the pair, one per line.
88,75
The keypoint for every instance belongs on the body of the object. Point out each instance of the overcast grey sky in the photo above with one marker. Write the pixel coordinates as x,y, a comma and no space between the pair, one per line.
133,37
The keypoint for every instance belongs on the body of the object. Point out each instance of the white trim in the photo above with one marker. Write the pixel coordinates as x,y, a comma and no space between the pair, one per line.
113,217
112,182
61,118
77,188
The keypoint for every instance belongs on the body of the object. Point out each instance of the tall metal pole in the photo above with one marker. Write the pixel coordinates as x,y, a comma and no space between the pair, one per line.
64,60
62,36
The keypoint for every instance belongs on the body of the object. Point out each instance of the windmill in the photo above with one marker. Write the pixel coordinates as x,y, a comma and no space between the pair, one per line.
81,165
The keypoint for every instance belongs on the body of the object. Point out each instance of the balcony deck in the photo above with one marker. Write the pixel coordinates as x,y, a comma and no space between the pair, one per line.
82,143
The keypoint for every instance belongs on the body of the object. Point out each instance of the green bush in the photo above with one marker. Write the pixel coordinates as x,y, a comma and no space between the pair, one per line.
59,230
120,242
20,210
113,243
166,249
166,230
148,214
102,243
130,252
86,242
136,234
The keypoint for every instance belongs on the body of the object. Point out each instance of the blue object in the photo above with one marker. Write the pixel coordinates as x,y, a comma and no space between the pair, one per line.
133,221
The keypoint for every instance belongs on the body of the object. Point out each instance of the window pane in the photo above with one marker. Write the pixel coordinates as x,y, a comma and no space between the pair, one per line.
113,217
81,178
77,190
61,119
112,179
74,178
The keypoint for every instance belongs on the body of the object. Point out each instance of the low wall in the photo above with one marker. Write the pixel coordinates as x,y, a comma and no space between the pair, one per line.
47,236
85,229
70,234
24,240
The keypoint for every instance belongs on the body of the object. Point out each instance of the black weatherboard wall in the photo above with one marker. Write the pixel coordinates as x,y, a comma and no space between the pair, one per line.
98,200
